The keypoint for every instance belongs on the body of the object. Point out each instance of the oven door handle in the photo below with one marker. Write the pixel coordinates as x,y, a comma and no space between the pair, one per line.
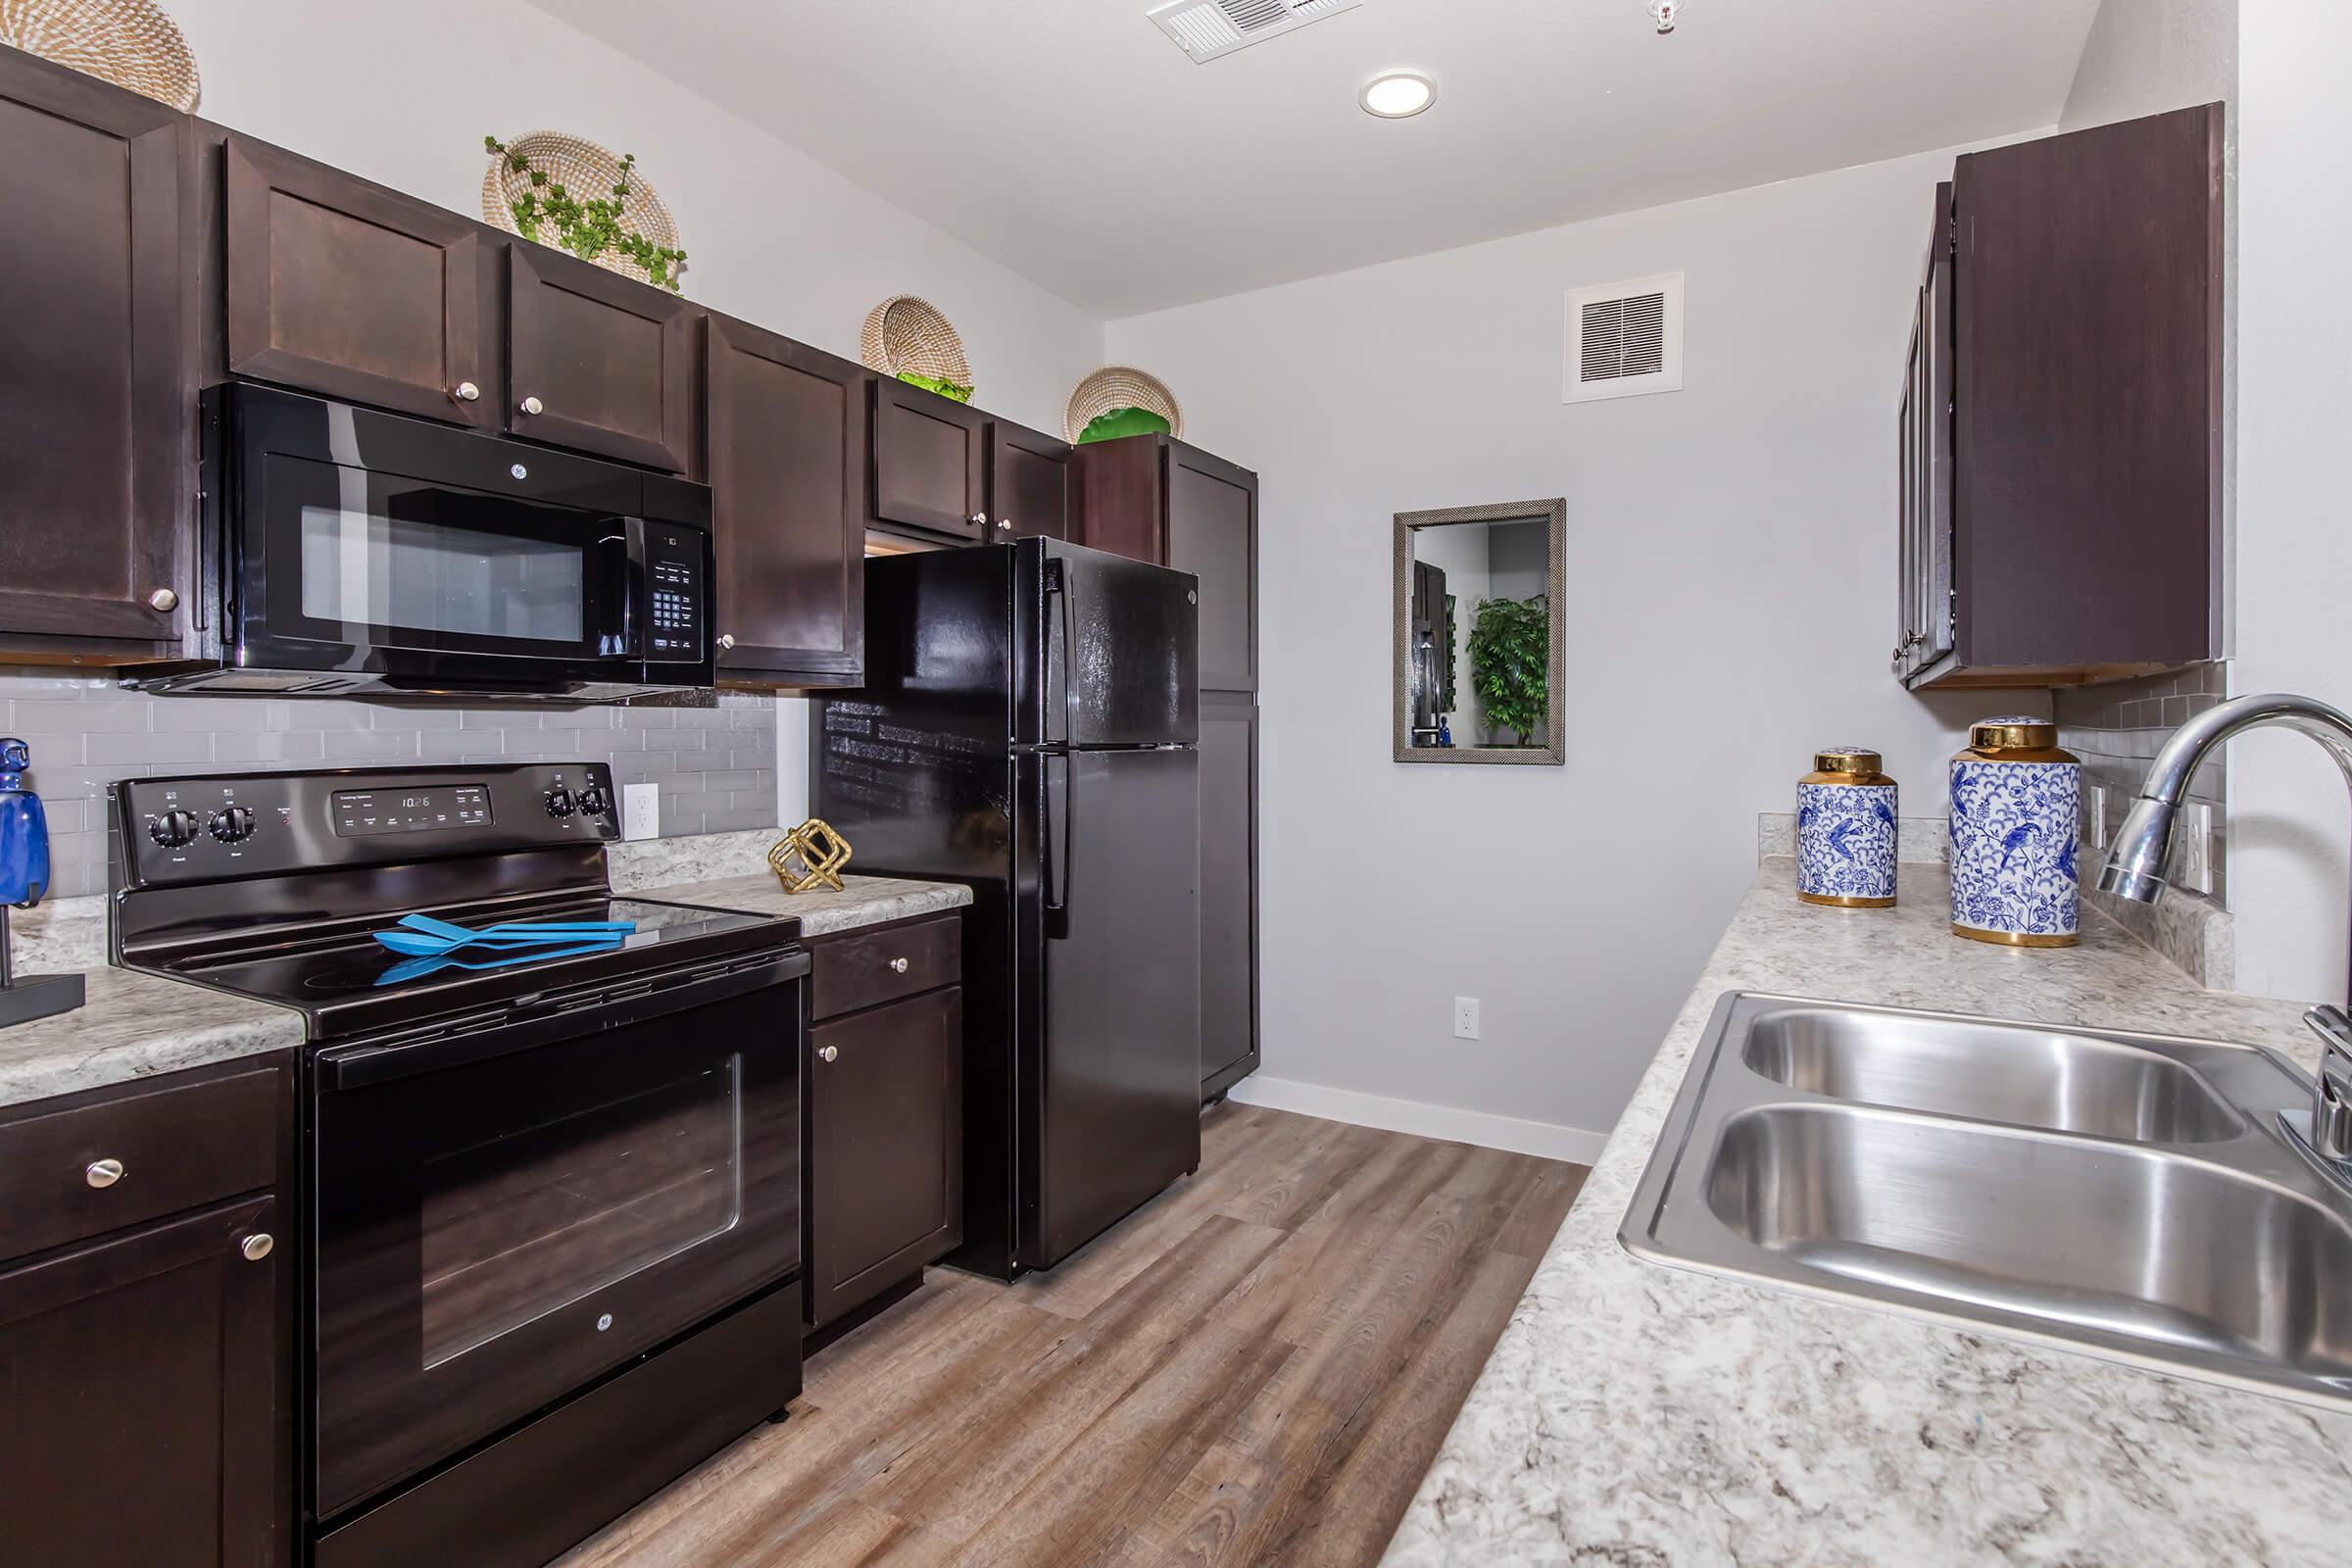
546,1017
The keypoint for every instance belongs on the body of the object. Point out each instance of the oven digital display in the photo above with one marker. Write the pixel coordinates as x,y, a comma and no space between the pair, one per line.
362,813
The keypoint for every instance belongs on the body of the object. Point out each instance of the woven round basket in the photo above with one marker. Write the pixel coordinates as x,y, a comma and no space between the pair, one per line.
1120,387
907,333
584,168
131,43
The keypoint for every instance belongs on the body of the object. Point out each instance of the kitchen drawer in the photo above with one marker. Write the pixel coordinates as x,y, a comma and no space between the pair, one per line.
180,1141
863,968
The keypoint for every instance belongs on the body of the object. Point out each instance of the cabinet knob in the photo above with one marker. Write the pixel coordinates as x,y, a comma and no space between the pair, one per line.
979,519
102,1172
257,1246
164,600
533,406
466,392
827,1053
727,639
898,966
1004,525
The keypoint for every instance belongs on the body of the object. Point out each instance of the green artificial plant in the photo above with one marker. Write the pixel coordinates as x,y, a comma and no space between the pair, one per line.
588,228
939,384
1510,660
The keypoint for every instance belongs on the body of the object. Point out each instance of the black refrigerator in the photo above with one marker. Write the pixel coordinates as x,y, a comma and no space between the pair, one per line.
1028,727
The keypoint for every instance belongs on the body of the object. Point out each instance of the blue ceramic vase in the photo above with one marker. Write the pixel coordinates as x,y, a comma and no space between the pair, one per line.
23,831
1847,817
2016,814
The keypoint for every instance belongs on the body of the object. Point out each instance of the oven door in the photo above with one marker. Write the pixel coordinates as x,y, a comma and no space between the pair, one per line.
502,1214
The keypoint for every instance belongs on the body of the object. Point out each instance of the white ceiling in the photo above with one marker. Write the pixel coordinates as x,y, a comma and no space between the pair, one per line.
1072,141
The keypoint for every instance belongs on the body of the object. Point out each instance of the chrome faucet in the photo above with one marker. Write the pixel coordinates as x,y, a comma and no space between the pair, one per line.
2135,870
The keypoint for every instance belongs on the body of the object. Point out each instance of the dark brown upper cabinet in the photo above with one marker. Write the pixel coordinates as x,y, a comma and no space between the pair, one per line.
2069,468
597,362
786,427
1028,483
1157,499
97,499
930,462
344,288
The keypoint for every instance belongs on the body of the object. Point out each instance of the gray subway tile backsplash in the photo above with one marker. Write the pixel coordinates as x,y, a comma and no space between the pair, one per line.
716,765
2117,728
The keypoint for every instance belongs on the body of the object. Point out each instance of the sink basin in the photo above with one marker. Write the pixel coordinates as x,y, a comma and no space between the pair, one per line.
2124,1193
2015,1074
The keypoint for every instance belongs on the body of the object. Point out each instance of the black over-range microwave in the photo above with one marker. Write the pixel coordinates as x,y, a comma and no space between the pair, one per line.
350,552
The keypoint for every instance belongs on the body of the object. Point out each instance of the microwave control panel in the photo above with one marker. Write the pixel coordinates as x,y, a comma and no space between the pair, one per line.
677,590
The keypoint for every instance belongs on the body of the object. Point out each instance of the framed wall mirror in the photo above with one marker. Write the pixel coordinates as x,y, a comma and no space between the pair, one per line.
1479,625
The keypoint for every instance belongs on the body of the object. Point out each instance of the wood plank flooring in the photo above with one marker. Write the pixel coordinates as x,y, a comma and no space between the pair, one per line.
1255,1368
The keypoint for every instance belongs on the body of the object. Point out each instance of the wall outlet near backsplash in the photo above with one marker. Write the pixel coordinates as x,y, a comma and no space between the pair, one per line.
641,810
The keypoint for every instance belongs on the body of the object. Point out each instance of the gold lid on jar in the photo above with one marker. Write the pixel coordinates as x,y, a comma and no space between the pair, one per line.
2017,740
1846,760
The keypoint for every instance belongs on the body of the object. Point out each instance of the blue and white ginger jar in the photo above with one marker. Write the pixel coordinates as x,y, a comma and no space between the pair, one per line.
2016,813
1846,826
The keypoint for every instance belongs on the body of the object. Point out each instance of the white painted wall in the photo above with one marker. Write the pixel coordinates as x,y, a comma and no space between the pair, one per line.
404,94
2288,870
2146,56
1730,574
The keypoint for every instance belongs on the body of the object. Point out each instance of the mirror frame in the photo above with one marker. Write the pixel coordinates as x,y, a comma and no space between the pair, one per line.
1555,752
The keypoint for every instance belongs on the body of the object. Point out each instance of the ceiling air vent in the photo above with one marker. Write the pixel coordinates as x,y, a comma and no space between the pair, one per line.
1210,28
1624,339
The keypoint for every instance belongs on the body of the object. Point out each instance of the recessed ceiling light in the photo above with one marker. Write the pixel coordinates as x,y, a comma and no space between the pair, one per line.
1398,94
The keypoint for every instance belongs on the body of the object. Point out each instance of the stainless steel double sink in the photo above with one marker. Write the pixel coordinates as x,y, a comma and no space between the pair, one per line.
2127,1194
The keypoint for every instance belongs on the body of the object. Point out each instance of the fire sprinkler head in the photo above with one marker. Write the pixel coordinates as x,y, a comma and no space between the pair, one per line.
1663,12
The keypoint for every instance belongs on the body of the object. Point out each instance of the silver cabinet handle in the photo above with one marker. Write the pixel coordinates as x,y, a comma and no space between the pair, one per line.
827,1053
257,1246
466,392
164,600
898,966
979,519
533,406
726,640
102,1172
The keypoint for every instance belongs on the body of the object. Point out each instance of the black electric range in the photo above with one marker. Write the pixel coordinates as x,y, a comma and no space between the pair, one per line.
551,1228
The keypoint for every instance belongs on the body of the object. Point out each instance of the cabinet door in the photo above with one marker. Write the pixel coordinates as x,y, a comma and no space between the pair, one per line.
1228,889
787,468
1213,533
93,407
1028,483
148,1412
343,289
884,1148
598,362
930,461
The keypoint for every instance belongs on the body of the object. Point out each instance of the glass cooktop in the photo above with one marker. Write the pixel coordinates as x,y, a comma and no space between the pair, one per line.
352,970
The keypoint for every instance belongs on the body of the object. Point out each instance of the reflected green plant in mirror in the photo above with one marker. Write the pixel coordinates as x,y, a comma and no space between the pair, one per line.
1510,653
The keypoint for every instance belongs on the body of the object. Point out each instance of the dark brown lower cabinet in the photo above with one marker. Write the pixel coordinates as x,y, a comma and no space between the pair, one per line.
1228,890
146,1382
884,1148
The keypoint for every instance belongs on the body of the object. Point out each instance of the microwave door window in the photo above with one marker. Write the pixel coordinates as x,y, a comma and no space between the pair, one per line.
359,570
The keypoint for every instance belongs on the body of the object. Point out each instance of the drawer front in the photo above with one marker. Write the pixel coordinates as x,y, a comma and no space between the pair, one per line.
863,968
153,1150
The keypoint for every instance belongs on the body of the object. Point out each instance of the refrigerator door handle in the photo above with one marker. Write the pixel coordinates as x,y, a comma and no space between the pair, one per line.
1058,909
1056,586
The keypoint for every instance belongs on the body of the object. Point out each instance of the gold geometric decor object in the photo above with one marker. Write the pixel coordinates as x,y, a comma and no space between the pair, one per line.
810,856
131,43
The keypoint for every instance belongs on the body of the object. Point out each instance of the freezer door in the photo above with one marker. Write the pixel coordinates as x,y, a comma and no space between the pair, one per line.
1117,646
1111,1070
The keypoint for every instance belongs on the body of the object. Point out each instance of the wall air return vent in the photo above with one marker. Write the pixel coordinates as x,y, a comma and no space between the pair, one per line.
1210,28
1624,339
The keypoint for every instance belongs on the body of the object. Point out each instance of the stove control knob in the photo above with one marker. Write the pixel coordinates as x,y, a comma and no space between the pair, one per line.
232,824
173,828
592,802
559,802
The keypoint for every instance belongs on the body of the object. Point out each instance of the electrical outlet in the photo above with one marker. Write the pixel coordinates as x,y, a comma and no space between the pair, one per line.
1465,1018
2098,816
2194,860
641,810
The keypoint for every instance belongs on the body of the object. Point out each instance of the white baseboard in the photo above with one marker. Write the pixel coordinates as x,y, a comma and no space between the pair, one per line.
1575,1144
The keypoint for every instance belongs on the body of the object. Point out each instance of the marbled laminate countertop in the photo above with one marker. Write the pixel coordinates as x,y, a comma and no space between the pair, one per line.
863,901
1635,1414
